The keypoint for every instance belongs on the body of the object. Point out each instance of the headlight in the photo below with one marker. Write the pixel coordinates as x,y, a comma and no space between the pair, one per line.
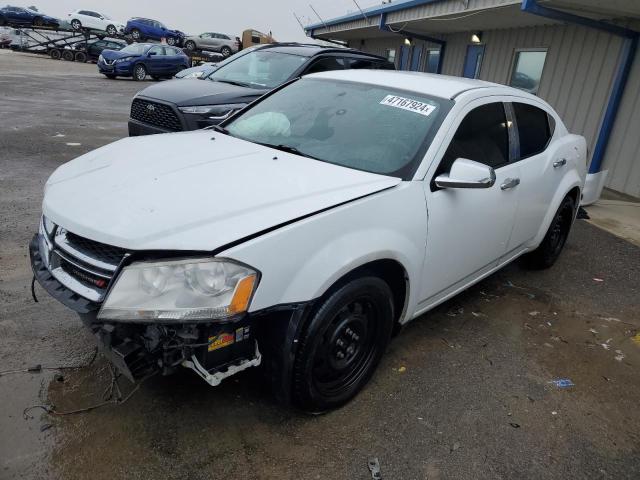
194,75
125,59
101,58
180,290
48,227
215,112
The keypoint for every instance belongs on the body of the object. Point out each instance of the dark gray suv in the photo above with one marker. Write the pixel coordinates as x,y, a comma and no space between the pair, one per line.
190,104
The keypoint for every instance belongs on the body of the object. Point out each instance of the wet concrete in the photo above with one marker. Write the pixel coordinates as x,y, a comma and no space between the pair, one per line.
474,399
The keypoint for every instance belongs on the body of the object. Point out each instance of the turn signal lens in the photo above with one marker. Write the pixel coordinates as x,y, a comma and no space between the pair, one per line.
242,295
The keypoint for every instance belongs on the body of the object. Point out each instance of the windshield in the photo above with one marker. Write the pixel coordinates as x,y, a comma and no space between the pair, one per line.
134,49
260,69
367,127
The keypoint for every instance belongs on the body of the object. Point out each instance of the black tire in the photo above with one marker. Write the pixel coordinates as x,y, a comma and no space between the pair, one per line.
171,41
67,55
81,57
136,35
139,72
111,30
554,240
225,51
110,76
342,344
155,77
190,45
37,22
76,24
55,54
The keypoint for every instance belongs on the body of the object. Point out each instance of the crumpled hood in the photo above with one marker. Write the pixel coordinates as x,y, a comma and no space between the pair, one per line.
188,92
193,191
115,54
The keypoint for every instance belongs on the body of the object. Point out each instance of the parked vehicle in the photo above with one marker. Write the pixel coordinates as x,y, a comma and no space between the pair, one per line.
190,104
6,37
89,19
142,29
213,42
141,59
303,230
94,49
18,16
200,71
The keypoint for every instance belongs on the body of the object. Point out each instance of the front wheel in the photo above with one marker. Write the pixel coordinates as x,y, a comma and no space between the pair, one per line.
112,31
190,45
342,344
554,240
37,22
75,24
226,51
171,41
68,55
139,72
136,35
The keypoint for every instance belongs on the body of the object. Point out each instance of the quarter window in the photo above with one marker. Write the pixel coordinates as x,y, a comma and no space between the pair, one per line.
482,137
534,129
527,70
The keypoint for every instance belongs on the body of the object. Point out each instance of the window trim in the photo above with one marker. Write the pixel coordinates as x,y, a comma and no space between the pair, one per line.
514,58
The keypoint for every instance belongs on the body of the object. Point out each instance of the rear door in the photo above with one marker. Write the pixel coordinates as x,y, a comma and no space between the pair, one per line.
469,229
543,160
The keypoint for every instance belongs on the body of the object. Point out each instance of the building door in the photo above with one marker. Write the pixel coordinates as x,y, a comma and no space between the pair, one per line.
415,58
404,57
473,62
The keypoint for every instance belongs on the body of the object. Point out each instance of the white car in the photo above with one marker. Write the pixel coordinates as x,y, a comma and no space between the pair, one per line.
302,231
91,20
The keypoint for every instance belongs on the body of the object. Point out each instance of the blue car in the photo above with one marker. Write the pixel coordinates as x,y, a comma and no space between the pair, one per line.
18,16
141,59
142,29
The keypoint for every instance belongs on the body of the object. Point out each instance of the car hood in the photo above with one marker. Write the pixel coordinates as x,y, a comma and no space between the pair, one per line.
194,191
115,54
189,92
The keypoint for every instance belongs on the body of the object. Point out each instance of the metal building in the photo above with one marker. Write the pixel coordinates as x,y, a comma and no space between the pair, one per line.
579,55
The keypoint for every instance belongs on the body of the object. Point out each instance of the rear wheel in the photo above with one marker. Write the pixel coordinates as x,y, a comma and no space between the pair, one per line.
67,55
76,25
139,72
342,344
55,54
226,51
171,41
553,242
81,57
136,35
112,31
190,45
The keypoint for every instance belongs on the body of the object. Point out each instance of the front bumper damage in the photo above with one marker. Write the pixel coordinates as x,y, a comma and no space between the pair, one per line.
213,350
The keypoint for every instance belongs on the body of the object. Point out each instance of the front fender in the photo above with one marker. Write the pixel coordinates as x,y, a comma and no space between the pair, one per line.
301,261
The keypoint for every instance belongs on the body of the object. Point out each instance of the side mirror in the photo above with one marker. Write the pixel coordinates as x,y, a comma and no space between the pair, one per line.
467,174
151,54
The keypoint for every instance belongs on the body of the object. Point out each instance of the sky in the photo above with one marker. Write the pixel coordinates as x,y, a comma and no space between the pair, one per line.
224,16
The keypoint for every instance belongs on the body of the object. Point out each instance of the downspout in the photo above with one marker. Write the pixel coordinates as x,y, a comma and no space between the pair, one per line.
386,28
596,177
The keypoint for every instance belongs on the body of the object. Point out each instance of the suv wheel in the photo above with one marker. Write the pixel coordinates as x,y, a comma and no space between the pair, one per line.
553,242
171,41
135,34
139,72
226,51
190,45
342,345
75,24
112,31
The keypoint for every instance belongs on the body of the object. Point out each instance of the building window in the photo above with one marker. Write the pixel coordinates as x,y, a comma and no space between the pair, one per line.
433,60
390,53
527,70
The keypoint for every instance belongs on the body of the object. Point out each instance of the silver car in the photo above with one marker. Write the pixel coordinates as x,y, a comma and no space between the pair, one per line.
213,42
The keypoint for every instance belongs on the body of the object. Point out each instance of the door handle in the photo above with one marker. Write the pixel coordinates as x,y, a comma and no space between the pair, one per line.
560,163
510,183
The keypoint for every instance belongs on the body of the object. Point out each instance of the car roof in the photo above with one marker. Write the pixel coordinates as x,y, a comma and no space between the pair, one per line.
444,86
312,49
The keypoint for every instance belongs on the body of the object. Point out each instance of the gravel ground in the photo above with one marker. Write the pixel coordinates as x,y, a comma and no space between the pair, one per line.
463,393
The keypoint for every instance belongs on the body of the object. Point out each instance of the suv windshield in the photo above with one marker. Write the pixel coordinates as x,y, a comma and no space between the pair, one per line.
134,49
260,69
366,127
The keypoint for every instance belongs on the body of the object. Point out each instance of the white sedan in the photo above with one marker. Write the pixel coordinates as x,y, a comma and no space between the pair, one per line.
91,20
307,227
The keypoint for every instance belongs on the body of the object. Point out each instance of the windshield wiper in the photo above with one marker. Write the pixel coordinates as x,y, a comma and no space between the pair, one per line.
233,82
288,149
218,128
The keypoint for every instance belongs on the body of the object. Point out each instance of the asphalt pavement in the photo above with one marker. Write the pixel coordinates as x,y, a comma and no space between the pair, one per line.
464,392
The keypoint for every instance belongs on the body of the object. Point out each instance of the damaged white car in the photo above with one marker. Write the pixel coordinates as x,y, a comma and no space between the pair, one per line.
303,231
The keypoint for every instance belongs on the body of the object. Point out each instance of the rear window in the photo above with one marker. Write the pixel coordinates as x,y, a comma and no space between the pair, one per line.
331,121
534,129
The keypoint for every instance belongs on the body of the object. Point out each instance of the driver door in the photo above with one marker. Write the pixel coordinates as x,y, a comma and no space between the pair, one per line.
469,228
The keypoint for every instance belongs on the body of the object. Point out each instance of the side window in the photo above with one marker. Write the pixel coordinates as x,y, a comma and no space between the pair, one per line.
326,64
360,63
534,129
482,136
82,12
156,51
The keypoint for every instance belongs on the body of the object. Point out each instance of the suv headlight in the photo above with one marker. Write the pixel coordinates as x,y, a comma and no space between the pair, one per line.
180,290
215,112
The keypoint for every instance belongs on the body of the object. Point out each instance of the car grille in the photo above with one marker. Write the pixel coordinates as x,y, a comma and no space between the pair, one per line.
157,114
84,266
